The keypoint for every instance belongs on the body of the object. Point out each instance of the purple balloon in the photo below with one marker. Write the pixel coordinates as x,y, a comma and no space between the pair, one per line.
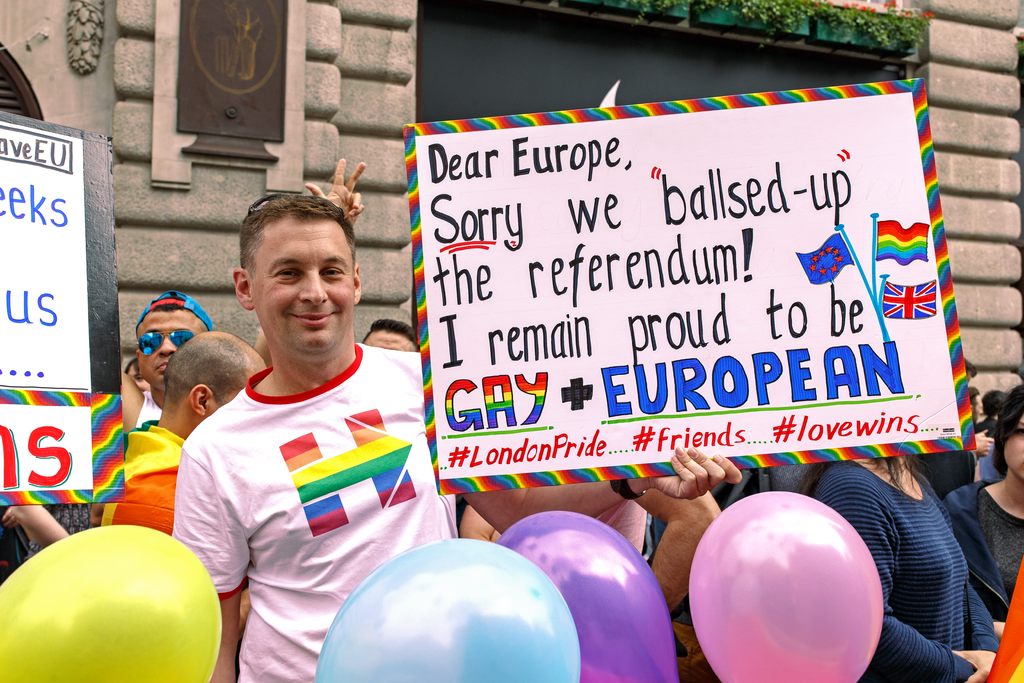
783,589
621,617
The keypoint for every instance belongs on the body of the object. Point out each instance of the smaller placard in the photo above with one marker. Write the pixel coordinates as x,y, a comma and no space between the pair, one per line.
60,404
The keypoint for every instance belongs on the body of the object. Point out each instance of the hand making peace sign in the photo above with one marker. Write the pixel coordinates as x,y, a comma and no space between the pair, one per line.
342,192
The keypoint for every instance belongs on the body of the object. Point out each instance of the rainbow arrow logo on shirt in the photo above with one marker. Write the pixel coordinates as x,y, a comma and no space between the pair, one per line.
377,456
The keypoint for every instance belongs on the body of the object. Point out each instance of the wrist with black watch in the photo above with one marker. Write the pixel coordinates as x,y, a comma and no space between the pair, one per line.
622,487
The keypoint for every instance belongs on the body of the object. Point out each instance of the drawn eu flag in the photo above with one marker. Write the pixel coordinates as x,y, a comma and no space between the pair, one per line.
823,265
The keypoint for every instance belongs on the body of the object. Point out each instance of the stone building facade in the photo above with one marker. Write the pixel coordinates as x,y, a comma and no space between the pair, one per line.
356,52
351,87
968,62
175,233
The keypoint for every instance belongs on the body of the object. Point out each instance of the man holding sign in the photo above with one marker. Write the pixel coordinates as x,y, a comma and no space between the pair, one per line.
319,471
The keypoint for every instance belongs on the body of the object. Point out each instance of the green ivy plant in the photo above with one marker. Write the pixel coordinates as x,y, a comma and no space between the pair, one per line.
781,16
892,27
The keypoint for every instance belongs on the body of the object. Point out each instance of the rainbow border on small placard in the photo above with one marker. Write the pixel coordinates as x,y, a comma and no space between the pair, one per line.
924,133
107,446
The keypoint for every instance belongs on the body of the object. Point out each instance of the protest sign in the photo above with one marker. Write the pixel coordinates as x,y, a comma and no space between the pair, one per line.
762,276
60,403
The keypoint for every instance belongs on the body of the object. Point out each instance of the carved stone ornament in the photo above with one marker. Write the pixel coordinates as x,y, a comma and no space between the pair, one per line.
85,35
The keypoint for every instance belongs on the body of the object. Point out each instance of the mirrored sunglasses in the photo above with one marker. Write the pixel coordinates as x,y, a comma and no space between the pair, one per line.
151,341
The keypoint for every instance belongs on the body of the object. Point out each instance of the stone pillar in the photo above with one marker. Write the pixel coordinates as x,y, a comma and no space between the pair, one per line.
969,58
177,217
377,64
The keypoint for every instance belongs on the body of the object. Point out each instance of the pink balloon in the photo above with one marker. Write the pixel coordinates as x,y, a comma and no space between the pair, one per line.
783,590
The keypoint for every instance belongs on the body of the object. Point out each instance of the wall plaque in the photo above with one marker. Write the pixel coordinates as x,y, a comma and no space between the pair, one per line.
231,75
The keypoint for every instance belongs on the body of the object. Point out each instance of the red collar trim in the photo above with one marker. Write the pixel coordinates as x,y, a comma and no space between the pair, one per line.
250,389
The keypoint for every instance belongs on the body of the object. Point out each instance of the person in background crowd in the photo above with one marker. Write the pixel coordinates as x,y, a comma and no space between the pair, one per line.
988,516
132,370
990,403
950,470
935,627
391,334
241,505
166,323
201,376
986,429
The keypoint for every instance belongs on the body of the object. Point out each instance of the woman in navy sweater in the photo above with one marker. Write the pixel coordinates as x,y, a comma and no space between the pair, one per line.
988,516
935,627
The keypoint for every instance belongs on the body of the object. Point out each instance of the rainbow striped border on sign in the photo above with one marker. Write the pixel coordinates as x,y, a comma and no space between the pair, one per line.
767,99
107,446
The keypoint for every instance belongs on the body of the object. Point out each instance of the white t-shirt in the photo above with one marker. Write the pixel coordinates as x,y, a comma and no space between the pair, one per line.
306,495
150,410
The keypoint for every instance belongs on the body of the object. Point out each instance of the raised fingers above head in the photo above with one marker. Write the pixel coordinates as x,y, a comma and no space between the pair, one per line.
351,181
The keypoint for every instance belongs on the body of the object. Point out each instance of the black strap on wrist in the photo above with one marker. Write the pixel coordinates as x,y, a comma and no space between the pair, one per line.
622,487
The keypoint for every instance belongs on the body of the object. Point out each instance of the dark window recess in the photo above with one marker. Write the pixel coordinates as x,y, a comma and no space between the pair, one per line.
489,59
16,96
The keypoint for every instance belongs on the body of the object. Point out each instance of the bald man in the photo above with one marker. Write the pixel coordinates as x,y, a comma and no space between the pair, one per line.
201,376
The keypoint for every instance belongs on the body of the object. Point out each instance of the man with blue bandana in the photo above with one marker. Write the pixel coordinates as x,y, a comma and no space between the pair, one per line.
166,323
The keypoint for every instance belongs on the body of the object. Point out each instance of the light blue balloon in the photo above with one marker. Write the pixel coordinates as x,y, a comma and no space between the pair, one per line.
455,611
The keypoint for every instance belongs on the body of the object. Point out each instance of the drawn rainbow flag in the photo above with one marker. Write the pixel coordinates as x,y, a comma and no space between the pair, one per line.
377,456
900,244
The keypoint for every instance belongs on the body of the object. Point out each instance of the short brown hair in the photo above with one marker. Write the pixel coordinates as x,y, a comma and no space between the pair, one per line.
303,208
221,361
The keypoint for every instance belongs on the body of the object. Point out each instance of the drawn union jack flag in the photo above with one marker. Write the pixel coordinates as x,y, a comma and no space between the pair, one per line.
909,301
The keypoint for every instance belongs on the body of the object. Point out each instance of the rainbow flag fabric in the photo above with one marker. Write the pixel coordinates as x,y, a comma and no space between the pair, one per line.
319,481
900,244
151,459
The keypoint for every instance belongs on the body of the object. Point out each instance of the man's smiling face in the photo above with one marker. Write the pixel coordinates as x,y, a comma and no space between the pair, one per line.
303,285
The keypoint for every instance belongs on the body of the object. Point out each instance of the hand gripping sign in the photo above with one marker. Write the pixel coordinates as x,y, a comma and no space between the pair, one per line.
60,403
763,276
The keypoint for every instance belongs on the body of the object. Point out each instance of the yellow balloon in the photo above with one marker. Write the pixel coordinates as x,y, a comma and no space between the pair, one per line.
118,604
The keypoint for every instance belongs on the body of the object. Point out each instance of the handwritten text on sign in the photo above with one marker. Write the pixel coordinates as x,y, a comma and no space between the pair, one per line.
746,281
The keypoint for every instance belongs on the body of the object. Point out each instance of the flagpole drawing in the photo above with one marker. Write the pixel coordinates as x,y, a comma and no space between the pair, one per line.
889,240
881,290
874,254
885,276
872,292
